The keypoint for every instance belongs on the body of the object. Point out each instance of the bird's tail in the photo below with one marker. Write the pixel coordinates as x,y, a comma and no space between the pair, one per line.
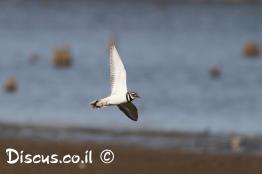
93,104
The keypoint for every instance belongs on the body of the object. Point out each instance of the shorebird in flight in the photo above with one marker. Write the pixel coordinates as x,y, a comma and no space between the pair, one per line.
120,96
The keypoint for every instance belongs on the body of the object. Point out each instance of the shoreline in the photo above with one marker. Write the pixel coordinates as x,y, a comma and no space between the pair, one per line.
205,141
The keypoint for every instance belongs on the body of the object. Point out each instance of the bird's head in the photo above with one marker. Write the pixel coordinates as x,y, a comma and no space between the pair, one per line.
133,95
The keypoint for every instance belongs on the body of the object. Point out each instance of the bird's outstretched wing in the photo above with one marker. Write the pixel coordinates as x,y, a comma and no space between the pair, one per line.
129,109
117,71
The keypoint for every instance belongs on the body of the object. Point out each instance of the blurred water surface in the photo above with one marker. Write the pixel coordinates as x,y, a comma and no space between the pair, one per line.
167,51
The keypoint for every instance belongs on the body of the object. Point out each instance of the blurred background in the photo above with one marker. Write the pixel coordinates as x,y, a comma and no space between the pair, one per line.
196,64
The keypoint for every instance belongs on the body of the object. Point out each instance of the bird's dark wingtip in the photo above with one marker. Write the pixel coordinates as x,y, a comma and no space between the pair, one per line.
135,119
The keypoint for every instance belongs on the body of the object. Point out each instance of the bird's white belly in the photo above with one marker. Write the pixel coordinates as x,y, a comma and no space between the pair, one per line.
116,99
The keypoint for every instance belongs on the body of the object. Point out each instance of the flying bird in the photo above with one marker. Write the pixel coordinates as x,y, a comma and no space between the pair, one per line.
120,96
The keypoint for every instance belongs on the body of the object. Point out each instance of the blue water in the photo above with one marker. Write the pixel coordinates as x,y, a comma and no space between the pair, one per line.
167,51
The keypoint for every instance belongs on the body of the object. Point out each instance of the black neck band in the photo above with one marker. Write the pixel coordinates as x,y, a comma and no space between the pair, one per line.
128,97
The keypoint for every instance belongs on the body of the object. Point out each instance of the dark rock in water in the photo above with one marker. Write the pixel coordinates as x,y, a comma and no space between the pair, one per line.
10,85
62,57
251,50
214,71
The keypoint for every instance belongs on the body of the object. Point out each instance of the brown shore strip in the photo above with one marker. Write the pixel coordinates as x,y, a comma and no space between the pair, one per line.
128,159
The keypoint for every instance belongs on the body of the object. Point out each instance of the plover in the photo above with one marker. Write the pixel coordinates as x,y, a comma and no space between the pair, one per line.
120,96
